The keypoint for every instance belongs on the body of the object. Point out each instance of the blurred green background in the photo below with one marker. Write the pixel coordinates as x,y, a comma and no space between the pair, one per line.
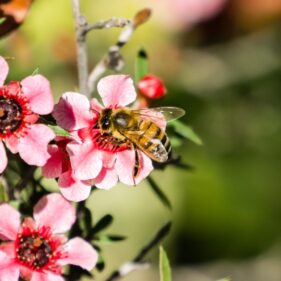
221,60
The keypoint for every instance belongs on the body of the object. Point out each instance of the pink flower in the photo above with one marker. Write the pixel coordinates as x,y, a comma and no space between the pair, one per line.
98,158
20,106
59,166
36,250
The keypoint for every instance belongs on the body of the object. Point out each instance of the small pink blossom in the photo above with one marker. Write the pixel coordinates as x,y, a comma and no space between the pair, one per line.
20,106
35,249
59,166
98,159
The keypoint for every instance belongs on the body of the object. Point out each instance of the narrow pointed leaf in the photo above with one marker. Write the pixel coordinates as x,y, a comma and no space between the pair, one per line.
160,194
103,223
185,131
164,266
60,132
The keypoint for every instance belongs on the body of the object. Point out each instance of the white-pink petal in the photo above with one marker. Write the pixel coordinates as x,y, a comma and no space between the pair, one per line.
86,160
54,211
96,106
9,221
45,276
117,90
3,157
107,179
9,271
38,91
125,163
33,147
53,167
4,69
12,144
73,189
73,111
80,253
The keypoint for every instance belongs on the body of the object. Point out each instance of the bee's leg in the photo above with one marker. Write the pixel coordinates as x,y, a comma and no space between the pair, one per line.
137,166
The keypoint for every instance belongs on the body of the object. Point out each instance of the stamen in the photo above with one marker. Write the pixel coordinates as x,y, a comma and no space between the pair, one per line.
37,249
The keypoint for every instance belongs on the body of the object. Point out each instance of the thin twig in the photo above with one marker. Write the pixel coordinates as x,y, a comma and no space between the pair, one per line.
137,262
105,24
82,58
113,59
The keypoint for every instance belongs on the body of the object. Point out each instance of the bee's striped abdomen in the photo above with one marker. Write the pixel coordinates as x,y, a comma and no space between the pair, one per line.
153,141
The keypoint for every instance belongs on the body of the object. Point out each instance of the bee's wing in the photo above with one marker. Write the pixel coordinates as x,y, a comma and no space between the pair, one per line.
168,112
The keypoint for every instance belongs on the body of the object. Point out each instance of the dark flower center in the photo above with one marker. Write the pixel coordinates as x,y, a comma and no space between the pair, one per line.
34,251
38,249
10,115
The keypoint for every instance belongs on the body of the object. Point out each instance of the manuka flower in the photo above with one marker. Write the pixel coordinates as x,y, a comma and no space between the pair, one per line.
98,158
35,249
20,106
59,166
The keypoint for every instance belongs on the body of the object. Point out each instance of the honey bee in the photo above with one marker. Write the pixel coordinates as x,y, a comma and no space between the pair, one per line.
139,130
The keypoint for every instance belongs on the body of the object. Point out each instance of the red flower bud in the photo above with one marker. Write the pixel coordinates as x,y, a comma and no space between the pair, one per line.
152,87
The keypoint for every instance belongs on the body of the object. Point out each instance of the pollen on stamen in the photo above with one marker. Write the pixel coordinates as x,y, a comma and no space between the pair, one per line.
38,249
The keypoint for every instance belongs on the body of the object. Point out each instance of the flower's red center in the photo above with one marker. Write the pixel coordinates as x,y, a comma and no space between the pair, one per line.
109,143
106,142
15,112
38,249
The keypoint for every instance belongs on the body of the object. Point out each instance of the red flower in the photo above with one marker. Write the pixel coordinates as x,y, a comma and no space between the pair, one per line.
152,87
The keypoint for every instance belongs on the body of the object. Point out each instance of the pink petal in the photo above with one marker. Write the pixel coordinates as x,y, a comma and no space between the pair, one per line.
106,179
3,157
125,165
33,147
54,211
45,276
38,91
73,111
9,271
80,253
96,106
53,167
86,160
117,90
9,221
12,143
73,189
8,248
4,69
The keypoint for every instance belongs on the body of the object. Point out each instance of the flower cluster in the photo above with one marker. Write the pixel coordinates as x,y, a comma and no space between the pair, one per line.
90,157
36,249
21,103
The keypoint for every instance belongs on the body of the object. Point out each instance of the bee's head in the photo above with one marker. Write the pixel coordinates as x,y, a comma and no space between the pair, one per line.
105,120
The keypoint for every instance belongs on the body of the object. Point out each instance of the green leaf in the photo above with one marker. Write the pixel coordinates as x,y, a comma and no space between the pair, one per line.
225,279
3,193
141,66
164,266
100,264
185,131
36,71
103,223
111,238
161,195
60,132
2,20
